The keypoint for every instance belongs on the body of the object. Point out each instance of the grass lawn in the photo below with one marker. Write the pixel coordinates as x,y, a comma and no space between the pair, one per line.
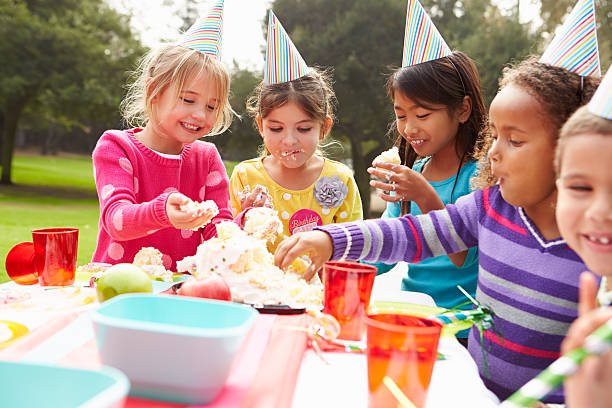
50,192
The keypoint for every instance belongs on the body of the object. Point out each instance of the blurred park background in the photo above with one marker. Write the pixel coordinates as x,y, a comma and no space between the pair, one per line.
65,63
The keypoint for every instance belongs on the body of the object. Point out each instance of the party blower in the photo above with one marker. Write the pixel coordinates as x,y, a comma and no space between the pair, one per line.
597,343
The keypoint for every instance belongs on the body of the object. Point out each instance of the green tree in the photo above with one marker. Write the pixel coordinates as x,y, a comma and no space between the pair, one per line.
554,12
242,139
363,40
64,61
480,29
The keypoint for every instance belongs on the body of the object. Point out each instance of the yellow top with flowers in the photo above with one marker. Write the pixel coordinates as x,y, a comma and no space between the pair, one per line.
334,197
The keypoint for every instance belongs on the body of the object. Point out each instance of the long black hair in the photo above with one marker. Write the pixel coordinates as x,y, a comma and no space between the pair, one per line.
445,81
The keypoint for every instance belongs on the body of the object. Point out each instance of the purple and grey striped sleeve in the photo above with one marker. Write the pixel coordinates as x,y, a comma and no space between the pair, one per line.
409,238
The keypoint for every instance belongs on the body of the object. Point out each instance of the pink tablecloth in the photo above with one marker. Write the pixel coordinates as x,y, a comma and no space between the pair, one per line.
263,374
273,369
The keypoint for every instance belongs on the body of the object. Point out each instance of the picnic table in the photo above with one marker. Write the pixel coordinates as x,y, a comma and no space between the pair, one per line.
274,367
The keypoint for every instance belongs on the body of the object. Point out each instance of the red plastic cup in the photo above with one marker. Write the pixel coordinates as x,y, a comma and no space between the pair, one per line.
403,348
50,259
348,286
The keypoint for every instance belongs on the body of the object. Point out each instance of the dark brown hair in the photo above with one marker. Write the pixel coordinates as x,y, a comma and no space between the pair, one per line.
559,92
445,81
312,92
582,122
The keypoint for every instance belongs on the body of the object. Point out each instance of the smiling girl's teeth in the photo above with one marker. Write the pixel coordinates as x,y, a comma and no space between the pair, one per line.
416,142
601,240
190,126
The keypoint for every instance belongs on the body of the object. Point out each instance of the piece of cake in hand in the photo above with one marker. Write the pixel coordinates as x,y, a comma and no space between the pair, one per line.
150,260
208,208
388,156
261,199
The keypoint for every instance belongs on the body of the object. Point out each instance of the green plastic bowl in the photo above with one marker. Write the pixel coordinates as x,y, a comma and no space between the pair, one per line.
172,348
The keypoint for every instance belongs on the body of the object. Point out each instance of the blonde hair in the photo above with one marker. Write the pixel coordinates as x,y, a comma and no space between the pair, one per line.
172,65
312,92
581,123
560,93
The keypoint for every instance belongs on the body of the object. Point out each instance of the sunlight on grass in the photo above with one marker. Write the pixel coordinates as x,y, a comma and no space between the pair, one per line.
74,172
17,226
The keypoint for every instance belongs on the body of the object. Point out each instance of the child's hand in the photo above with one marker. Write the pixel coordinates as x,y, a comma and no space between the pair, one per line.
408,185
317,244
257,198
590,386
184,219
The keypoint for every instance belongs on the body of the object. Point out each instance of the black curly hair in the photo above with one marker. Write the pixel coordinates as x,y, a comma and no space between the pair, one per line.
559,92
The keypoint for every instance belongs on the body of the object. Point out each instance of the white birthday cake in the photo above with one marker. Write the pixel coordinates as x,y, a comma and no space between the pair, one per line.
247,266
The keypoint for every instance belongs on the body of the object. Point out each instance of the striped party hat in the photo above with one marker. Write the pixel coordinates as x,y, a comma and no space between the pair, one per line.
601,103
574,46
283,61
422,41
205,35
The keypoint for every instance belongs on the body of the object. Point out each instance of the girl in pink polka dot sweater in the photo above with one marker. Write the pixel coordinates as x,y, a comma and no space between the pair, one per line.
147,178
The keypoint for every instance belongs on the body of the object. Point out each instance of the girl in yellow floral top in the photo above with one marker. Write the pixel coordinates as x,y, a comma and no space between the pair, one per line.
305,188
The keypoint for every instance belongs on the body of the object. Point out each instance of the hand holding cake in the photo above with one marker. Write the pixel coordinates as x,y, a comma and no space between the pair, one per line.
258,197
184,213
405,183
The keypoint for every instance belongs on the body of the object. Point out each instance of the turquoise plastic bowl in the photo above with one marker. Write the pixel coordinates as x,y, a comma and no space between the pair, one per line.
42,385
172,348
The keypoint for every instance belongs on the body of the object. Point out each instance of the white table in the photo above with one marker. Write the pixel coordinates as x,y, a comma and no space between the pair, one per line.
455,381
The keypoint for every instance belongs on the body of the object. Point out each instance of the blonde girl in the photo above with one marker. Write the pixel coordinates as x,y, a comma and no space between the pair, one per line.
148,178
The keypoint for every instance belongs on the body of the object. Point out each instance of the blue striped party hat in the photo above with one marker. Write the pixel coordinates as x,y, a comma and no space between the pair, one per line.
283,61
205,35
422,40
574,46
601,103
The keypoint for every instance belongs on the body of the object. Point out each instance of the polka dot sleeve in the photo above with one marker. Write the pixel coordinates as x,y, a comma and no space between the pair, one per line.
121,215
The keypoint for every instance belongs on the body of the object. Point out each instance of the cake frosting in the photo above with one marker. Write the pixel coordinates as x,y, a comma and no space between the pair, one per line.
243,260
388,156
263,223
150,260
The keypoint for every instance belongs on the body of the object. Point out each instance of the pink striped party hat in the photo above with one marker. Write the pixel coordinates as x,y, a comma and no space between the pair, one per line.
601,103
574,46
205,35
422,40
283,61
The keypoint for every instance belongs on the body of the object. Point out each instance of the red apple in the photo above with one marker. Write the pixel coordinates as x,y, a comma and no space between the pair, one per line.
211,286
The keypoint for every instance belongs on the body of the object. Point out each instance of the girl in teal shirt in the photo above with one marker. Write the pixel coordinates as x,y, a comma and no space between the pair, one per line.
439,113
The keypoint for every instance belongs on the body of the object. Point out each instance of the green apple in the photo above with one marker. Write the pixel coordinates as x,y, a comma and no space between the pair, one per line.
123,278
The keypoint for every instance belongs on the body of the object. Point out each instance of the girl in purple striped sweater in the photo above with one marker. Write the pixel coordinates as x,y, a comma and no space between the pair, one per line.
527,273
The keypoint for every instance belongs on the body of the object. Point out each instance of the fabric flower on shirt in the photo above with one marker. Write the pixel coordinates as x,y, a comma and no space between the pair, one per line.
330,192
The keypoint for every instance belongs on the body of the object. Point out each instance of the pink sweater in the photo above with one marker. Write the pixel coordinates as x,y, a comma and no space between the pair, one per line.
133,184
